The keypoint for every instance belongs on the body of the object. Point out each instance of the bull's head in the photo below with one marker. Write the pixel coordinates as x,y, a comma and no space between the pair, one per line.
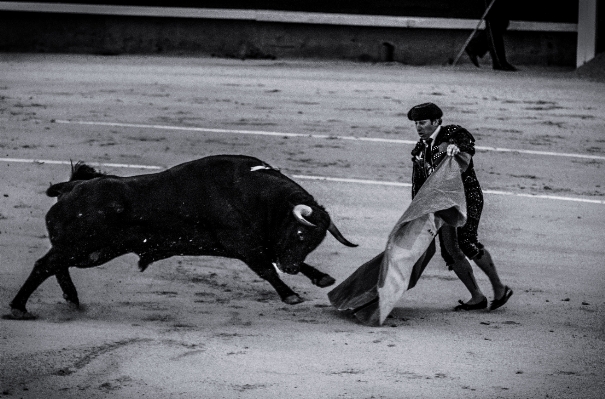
304,231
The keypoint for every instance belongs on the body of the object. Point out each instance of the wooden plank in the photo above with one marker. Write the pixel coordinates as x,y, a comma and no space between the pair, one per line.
279,16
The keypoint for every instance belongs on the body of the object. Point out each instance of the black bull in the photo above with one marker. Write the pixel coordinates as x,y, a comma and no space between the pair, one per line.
226,205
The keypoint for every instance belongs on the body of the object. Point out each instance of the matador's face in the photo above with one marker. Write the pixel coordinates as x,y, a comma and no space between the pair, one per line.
426,127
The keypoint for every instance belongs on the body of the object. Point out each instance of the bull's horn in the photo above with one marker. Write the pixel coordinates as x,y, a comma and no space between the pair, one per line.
300,211
338,235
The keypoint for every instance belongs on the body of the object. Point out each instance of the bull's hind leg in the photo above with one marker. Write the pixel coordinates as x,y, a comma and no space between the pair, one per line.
69,289
44,267
57,263
318,278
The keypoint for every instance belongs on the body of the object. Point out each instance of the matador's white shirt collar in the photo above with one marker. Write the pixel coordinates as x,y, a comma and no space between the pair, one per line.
435,133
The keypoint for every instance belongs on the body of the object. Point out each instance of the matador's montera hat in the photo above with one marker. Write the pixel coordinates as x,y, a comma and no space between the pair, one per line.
425,111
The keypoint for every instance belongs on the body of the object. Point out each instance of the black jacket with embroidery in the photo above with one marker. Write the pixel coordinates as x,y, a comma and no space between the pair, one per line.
450,134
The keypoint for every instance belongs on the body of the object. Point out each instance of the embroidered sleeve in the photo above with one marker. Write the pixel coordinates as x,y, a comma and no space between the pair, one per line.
462,138
417,178
417,149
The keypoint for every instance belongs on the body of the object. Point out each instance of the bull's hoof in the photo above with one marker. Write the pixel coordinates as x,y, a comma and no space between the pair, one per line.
325,281
17,314
73,302
293,299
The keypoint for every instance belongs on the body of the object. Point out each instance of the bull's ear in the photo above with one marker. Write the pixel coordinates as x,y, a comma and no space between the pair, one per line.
55,189
300,212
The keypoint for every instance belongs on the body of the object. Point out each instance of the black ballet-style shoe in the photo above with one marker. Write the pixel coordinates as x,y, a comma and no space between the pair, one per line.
476,306
496,303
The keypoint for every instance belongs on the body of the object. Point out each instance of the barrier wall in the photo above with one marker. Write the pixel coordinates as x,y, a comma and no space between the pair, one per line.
269,34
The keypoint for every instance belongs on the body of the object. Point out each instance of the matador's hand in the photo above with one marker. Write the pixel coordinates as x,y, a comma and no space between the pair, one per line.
452,150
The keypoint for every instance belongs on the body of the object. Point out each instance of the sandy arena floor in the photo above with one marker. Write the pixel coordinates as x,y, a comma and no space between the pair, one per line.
210,328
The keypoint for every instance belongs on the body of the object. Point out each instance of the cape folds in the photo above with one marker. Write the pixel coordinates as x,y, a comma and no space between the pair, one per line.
373,290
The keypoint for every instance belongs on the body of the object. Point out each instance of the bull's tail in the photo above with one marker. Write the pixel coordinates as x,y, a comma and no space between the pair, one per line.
80,171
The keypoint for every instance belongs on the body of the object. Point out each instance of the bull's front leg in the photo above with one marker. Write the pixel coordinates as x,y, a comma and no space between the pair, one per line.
317,277
267,272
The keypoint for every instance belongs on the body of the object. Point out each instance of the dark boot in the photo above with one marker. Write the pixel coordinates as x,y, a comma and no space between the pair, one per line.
477,47
473,57
505,67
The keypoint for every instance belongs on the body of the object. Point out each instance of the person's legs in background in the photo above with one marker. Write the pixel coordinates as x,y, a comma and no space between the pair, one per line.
477,47
495,35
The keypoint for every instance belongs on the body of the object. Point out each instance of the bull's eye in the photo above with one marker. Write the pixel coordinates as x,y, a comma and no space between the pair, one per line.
300,235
